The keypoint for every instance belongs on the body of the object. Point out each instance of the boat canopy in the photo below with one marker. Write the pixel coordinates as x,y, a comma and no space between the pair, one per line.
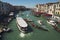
21,22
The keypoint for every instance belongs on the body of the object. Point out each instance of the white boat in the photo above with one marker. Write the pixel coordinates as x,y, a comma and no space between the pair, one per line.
40,22
51,22
22,25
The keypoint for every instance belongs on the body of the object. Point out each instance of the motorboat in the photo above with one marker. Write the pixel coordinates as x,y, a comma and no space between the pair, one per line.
40,22
51,22
5,29
22,25
44,27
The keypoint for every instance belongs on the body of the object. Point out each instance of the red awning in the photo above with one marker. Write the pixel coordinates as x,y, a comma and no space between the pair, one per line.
45,14
48,14
39,13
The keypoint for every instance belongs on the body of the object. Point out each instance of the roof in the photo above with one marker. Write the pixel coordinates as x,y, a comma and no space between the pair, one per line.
51,3
21,22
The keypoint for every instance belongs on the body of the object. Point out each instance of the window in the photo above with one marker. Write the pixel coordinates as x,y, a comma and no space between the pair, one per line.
58,13
54,5
2,5
59,5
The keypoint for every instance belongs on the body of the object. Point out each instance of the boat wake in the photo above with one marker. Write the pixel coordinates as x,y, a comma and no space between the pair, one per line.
22,35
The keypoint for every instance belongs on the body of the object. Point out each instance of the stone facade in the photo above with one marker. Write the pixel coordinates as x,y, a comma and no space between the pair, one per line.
50,8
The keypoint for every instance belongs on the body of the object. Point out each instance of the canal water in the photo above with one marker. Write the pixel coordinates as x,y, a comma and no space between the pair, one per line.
35,34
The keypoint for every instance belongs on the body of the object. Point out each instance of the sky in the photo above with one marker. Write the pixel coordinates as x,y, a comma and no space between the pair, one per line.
28,3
